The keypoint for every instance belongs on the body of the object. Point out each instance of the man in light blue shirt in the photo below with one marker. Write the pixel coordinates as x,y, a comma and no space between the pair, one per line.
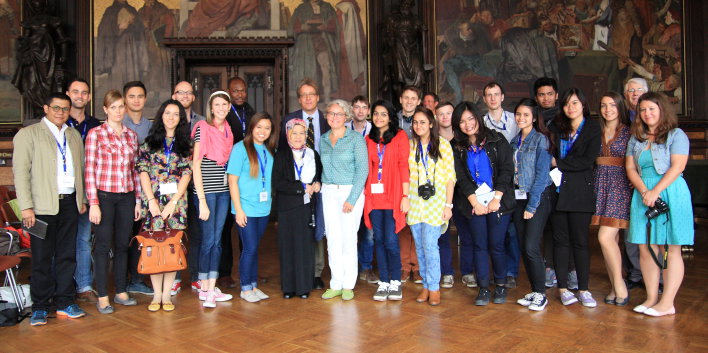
497,118
135,95
410,98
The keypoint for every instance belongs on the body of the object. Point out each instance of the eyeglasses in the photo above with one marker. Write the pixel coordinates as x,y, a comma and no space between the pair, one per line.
184,93
638,90
57,108
336,115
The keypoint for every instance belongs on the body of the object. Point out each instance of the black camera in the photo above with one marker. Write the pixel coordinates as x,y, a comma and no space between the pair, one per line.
426,191
660,207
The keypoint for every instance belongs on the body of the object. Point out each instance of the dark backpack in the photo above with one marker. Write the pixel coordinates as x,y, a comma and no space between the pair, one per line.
9,242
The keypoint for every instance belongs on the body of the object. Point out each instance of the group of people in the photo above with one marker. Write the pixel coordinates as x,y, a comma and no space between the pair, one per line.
404,175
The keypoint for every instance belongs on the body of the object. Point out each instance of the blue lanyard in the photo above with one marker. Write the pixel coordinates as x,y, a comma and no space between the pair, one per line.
363,132
424,159
381,153
567,145
243,121
491,121
75,124
299,170
262,164
168,152
62,151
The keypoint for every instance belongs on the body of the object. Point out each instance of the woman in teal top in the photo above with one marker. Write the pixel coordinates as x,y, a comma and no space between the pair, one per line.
249,170
344,171
656,156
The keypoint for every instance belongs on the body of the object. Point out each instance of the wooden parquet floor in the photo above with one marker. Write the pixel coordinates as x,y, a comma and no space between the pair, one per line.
362,325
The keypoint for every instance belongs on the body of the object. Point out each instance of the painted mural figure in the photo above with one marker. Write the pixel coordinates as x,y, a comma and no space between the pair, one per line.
159,22
403,33
41,53
352,53
466,46
314,26
211,15
121,46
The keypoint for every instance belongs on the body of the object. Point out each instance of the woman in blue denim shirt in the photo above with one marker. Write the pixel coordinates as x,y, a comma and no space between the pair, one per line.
656,156
534,196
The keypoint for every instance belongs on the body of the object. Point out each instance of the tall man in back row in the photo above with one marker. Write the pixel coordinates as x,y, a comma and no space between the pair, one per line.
48,168
308,96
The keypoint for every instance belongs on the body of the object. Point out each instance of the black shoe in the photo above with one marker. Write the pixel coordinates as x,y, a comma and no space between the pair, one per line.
632,284
499,295
482,297
305,296
318,283
510,282
288,295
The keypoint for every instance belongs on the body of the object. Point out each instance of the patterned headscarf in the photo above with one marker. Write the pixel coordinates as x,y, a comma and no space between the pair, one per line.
289,126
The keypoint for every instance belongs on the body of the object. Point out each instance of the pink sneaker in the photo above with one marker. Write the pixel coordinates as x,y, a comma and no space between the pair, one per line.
210,300
203,295
221,297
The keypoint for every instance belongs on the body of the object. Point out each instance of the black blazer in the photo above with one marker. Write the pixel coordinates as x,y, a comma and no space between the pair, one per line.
235,123
500,155
324,127
289,192
577,189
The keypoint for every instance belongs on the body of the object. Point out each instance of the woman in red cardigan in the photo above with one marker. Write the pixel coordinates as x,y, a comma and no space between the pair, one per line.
386,196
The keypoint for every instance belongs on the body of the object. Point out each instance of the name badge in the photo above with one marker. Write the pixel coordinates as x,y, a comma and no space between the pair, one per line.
263,196
306,198
168,188
520,195
66,181
377,188
225,180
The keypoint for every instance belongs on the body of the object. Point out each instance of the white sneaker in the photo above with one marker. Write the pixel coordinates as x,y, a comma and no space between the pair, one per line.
260,294
447,281
250,297
382,292
395,292
527,299
539,302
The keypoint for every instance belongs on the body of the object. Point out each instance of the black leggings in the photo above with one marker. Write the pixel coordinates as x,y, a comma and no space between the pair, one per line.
117,213
571,229
530,234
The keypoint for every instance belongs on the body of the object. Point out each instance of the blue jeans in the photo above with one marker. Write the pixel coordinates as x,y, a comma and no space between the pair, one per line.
388,253
366,247
466,245
489,232
210,250
426,247
513,252
83,275
445,253
251,236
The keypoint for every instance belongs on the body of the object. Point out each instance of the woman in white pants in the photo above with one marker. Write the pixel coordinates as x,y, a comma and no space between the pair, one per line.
344,171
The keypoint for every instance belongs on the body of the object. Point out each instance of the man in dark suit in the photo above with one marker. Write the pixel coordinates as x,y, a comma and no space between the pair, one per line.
308,96
238,118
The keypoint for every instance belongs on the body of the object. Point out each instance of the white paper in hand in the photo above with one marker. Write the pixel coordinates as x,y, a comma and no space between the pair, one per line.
484,194
556,176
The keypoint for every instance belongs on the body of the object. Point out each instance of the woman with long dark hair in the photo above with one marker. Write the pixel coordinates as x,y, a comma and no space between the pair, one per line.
386,195
484,195
164,165
613,191
113,190
250,169
534,195
212,144
576,145
656,156
432,182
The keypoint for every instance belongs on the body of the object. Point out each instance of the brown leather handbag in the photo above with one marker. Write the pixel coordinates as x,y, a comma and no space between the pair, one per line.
161,251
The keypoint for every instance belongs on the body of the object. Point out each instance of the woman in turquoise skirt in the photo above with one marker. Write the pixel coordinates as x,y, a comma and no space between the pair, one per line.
656,156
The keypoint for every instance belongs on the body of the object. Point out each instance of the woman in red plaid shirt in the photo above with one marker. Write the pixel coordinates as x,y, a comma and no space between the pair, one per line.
113,191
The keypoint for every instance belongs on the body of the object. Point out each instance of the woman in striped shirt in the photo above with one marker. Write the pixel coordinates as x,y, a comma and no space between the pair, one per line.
113,191
212,145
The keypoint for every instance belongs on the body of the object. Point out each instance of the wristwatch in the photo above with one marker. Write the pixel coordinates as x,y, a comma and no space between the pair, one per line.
448,205
497,197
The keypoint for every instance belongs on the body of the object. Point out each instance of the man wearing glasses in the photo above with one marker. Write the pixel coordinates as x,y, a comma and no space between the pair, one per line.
48,168
633,89
184,93
308,97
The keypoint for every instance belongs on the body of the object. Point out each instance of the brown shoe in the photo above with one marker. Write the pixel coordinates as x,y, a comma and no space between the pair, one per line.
405,275
226,282
371,276
87,296
434,297
417,278
423,296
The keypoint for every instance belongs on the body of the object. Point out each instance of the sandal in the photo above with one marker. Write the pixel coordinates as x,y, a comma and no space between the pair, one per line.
168,306
154,307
